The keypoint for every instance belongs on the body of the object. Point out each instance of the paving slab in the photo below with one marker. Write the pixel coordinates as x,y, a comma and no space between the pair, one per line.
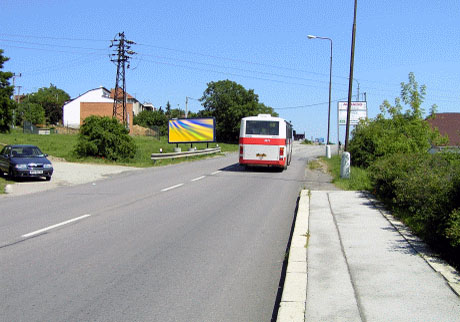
361,268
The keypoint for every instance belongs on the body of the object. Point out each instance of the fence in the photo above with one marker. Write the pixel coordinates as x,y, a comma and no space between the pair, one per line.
28,127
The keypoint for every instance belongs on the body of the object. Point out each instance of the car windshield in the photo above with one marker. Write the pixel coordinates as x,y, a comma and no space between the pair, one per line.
26,151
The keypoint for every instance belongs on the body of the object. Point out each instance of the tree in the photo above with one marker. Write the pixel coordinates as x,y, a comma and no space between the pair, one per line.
51,99
402,133
168,109
177,113
413,95
6,91
152,119
228,102
31,112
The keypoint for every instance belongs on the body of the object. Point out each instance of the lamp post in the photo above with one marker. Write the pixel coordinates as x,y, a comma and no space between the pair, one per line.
330,85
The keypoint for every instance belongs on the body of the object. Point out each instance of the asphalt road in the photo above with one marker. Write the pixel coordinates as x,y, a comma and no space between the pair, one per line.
201,241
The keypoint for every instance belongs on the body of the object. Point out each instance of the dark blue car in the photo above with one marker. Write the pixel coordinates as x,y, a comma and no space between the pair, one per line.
20,161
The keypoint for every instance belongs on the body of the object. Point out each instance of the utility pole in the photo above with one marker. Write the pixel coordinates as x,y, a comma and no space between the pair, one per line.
350,81
14,87
357,98
186,104
121,58
19,90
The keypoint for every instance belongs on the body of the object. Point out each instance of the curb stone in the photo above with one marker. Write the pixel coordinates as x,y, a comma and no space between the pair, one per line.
293,300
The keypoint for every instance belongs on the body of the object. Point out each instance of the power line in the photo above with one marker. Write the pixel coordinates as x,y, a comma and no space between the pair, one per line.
231,59
241,69
285,68
49,45
308,105
54,38
232,74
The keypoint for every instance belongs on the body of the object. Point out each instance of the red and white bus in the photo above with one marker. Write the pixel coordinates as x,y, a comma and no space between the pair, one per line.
265,140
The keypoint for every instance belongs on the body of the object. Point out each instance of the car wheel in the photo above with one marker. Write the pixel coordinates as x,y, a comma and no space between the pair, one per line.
48,178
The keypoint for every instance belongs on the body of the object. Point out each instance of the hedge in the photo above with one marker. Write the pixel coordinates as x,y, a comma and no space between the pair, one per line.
424,190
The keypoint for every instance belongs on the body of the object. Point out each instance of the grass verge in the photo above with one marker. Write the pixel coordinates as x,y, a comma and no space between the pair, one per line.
3,183
62,146
359,179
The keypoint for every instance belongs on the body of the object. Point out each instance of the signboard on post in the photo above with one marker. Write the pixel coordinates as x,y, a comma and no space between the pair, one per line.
358,112
196,130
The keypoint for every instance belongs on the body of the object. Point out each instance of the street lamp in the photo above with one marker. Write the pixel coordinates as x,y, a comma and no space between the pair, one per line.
330,84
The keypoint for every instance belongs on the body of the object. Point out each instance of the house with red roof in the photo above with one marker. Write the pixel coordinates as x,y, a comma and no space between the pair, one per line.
98,101
448,124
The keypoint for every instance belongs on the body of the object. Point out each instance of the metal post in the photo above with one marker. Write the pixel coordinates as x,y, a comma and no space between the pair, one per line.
330,86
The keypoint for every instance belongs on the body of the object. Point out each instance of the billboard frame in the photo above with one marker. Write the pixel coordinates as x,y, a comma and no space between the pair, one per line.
358,112
191,119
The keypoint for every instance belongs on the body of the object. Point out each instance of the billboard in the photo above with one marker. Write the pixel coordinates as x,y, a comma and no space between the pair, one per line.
192,130
358,112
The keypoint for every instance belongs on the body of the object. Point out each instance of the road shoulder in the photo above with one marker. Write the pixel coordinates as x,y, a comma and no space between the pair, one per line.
66,174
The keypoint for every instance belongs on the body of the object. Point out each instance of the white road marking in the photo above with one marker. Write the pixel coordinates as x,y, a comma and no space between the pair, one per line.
172,187
216,172
55,226
199,178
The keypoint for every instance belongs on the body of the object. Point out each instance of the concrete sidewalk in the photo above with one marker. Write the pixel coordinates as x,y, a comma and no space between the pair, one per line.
361,265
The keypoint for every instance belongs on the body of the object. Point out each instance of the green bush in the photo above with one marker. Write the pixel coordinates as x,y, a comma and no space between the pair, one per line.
423,190
152,119
453,228
105,137
404,132
383,137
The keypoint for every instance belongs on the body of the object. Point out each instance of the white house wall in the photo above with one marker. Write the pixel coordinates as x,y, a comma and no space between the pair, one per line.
71,114
71,110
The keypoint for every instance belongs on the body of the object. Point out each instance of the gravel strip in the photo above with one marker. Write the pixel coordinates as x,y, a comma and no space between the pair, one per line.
65,174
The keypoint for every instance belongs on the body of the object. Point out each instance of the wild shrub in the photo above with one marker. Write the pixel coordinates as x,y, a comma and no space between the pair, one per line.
383,137
152,119
105,137
424,189
402,132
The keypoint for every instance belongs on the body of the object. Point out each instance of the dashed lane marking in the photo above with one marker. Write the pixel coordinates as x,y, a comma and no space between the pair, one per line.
172,187
55,226
199,178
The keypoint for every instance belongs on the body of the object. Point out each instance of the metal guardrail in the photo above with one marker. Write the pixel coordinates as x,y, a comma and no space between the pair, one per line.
175,155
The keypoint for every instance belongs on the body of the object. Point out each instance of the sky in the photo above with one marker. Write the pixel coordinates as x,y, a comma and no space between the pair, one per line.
181,46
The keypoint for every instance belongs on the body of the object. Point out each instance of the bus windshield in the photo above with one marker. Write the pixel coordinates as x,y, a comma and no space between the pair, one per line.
262,127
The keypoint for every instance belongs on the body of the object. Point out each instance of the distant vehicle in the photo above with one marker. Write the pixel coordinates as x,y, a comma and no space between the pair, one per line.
20,161
265,141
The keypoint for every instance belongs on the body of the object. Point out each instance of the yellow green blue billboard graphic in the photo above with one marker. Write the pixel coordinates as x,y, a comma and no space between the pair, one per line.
191,130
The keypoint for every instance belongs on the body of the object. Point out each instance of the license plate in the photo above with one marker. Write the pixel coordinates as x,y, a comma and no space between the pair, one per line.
36,171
